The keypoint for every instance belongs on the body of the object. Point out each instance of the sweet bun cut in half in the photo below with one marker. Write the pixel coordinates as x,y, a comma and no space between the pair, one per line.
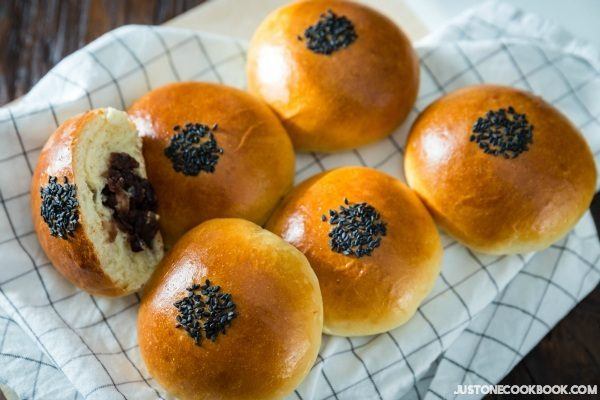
212,151
93,209
501,170
338,74
233,312
371,242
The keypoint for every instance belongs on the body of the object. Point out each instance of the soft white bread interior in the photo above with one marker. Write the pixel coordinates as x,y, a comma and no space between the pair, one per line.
109,132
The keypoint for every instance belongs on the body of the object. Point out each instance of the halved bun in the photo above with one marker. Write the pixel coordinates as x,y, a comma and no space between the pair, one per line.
94,253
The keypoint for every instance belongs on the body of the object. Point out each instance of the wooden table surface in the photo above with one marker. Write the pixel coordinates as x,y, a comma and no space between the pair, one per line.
35,35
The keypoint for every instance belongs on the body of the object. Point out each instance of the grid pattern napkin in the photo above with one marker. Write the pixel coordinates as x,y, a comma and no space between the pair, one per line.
484,314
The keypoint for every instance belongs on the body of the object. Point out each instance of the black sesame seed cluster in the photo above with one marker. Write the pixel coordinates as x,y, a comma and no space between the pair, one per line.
503,133
59,207
329,34
194,149
356,229
132,201
205,312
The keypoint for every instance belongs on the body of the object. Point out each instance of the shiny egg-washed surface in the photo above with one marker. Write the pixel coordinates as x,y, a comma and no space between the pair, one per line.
536,290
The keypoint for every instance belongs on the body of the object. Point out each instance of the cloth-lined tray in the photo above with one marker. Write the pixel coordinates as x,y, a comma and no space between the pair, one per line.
484,314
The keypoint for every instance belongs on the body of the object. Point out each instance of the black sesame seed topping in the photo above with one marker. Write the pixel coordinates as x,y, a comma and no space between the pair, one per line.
59,207
132,201
194,149
503,133
356,230
329,34
205,312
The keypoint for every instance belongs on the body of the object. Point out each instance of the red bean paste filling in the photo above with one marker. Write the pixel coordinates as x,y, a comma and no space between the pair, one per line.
132,201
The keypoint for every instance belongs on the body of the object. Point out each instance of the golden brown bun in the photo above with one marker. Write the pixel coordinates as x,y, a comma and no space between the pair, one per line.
371,294
75,258
354,96
254,172
92,259
269,347
492,204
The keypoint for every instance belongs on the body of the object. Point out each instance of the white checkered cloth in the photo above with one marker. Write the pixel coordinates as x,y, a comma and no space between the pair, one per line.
484,314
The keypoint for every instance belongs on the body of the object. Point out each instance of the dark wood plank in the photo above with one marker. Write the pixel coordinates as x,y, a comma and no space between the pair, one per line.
35,35
568,355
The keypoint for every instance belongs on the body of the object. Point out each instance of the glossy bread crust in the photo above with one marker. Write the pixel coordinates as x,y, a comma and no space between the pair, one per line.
354,96
269,347
371,294
249,180
492,204
75,258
